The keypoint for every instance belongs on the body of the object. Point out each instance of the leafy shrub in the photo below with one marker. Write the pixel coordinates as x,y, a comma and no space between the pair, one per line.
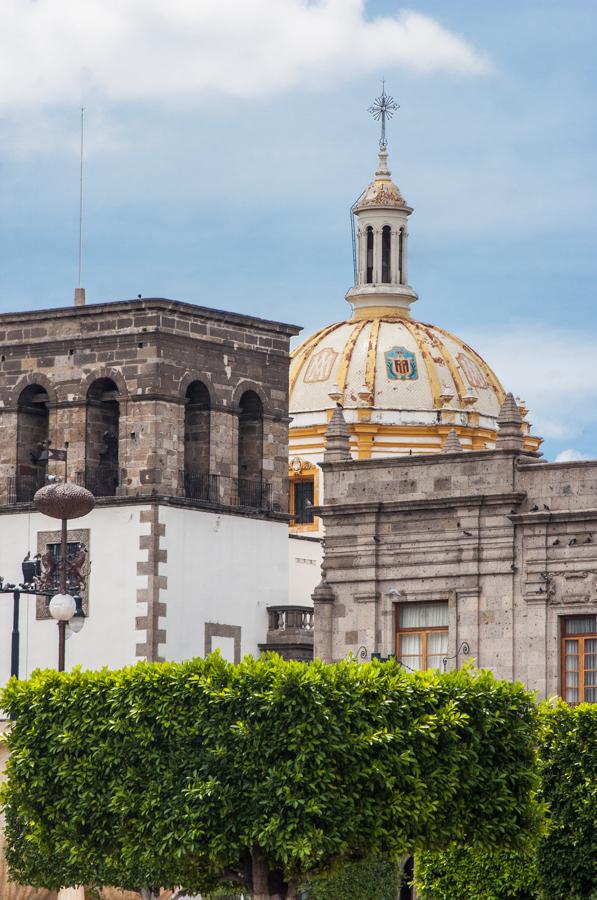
369,879
263,773
561,864
567,854
477,874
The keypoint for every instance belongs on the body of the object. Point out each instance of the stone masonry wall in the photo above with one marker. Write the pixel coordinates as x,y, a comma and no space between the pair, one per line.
152,350
510,543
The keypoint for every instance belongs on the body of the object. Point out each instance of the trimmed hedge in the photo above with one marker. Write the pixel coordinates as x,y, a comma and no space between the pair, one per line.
562,863
196,773
369,879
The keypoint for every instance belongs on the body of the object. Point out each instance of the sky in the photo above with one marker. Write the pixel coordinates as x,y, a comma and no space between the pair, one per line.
225,143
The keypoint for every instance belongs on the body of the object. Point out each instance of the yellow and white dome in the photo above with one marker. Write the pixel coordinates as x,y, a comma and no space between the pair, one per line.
403,384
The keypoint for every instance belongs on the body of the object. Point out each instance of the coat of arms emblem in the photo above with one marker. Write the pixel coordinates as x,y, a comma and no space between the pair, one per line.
401,364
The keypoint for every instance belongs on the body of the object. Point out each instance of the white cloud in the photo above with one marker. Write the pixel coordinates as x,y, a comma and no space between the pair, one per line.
61,51
571,455
552,370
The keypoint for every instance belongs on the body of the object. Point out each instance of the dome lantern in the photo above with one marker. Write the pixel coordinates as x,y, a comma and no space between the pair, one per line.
381,212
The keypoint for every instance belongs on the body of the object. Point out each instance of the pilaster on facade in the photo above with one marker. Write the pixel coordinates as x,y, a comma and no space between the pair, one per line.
151,623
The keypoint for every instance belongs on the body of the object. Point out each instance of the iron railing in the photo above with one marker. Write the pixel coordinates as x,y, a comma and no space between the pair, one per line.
102,481
201,486
22,488
252,493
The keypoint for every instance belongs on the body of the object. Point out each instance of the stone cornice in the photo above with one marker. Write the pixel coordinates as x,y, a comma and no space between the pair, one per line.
451,502
153,335
561,515
147,500
572,464
148,304
428,459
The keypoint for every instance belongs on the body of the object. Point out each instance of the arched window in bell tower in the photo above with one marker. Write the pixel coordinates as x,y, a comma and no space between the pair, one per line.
400,256
369,255
386,237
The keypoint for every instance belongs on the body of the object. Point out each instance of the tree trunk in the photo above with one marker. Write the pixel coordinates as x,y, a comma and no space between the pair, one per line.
267,884
150,893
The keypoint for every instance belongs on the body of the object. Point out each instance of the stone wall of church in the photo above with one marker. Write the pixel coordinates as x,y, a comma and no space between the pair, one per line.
152,350
507,541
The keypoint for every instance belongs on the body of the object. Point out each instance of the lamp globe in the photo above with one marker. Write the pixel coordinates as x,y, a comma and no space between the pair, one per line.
62,607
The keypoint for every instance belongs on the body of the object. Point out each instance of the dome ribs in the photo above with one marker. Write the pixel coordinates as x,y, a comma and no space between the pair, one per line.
487,370
371,364
305,350
449,361
429,365
347,356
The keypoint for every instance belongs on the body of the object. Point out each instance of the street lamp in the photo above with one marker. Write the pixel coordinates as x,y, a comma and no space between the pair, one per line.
64,501
78,620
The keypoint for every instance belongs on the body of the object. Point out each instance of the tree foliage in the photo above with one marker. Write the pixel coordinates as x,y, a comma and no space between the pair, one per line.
478,874
263,773
367,879
567,854
561,863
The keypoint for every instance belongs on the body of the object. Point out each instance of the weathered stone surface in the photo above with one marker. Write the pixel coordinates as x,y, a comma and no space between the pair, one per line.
507,541
58,368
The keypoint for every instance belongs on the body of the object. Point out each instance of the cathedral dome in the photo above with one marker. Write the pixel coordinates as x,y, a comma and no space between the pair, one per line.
404,385
412,382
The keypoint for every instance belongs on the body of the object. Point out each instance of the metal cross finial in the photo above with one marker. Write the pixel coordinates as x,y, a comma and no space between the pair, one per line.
383,107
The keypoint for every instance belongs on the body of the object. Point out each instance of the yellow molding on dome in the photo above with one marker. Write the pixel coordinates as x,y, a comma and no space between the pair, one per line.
371,364
449,361
347,355
489,373
306,349
434,383
380,312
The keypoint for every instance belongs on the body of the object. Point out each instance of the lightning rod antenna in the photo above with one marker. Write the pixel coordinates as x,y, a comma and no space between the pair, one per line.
80,291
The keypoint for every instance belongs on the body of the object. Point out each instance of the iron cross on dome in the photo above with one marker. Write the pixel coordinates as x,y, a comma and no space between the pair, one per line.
383,107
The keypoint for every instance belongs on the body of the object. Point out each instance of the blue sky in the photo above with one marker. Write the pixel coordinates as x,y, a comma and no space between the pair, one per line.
226,142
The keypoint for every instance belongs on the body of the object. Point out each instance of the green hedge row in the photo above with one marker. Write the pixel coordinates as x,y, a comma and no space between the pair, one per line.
196,773
562,863
369,879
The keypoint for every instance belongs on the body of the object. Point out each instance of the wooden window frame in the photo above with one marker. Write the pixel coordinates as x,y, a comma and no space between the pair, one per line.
581,638
424,632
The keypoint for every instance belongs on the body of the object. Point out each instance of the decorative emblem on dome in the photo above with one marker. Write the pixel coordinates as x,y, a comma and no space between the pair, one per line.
401,364
475,377
320,366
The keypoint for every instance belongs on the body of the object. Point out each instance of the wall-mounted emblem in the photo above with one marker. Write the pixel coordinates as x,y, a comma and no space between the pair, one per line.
320,365
401,364
475,377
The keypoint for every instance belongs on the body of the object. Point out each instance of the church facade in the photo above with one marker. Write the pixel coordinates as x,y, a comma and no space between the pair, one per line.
487,555
403,384
444,535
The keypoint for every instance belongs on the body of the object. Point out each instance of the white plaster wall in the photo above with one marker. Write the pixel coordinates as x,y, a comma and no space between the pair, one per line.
304,569
108,637
220,568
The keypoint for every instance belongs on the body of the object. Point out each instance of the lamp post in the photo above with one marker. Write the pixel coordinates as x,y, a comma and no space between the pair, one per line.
64,501
26,588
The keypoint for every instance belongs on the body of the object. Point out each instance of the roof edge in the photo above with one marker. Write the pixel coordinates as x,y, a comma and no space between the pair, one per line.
162,303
